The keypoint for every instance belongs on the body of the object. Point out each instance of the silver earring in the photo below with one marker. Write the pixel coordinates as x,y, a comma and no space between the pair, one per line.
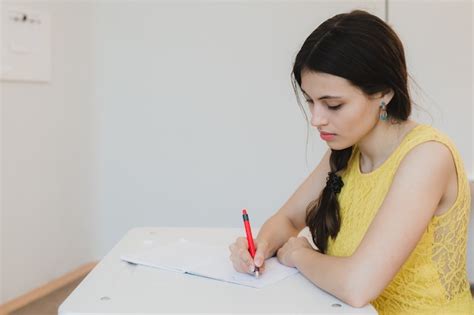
383,113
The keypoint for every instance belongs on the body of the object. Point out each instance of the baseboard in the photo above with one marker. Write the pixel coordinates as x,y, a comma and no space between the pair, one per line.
46,289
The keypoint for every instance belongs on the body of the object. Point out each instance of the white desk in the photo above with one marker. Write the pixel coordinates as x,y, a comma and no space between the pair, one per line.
117,287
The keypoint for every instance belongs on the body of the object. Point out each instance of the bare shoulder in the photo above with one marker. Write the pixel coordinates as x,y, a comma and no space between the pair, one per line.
429,156
432,159
427,171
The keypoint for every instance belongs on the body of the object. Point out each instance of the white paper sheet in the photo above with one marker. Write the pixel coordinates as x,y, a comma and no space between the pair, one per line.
207,261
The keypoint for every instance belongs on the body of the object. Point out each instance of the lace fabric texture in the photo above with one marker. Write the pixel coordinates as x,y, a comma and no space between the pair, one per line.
434,278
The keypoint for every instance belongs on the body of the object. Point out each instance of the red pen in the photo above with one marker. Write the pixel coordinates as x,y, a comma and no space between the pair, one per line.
248,231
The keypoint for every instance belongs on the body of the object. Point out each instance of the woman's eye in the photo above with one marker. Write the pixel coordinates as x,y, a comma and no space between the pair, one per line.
335,107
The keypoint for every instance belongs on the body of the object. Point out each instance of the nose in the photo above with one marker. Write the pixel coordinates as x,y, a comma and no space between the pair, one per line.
318,117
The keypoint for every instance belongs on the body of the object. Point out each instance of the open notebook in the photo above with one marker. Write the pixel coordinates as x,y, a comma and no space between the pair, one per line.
213,262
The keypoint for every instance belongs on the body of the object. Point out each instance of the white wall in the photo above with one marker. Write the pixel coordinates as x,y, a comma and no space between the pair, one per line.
49,160
437,36
197,114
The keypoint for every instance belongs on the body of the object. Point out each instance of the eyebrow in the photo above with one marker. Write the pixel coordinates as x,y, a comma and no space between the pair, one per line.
325,97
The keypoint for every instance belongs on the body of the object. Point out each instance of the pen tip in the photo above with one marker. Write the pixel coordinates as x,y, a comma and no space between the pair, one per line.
257,274
244,211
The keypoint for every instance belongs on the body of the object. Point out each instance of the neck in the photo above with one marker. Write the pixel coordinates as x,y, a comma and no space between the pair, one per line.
380,142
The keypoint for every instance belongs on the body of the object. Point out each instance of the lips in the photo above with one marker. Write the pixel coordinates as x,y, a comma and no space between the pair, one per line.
327,136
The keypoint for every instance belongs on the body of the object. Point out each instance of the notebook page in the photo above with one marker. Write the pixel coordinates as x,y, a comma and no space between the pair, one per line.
203,260
178,256
222,269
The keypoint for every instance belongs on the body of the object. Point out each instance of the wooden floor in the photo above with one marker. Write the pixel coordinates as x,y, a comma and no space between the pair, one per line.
49,304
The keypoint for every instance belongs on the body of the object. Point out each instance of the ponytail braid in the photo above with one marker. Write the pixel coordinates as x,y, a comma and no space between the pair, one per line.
322,214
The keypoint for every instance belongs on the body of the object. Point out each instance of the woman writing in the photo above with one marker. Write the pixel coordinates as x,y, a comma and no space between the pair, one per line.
388,204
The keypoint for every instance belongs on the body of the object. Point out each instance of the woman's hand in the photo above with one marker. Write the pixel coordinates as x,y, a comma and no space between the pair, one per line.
285,253
241,259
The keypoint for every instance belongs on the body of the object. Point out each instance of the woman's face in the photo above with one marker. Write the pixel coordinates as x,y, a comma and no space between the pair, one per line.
339,108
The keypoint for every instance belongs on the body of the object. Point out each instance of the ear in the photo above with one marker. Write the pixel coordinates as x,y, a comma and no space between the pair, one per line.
387,96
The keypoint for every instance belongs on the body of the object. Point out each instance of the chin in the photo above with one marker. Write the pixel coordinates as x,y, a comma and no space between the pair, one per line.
337,146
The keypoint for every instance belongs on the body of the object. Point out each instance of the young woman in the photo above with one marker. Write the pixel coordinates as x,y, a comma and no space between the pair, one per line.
388,205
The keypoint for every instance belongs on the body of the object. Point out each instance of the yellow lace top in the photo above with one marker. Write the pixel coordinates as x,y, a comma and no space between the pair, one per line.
434,278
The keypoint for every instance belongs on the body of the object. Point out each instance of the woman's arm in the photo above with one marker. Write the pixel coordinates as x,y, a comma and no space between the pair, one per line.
285,223
415,193
290,219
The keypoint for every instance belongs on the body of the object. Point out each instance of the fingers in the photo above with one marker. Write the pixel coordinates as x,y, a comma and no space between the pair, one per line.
241,266
242,242
259,258
279,255
241,259
261,268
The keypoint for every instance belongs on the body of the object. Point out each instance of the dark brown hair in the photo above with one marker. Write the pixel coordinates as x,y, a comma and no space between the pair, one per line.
363,49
